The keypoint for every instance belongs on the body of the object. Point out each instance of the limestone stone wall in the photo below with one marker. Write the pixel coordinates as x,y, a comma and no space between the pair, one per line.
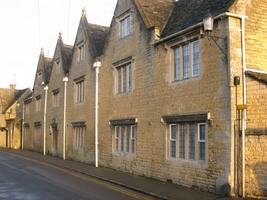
154,95
81,112
256,139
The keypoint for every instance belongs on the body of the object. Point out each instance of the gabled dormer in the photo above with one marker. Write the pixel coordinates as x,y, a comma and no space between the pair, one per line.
42,72
89,42
61,60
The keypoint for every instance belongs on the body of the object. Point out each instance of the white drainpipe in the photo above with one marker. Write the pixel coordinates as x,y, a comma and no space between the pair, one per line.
244,118
65,80
22,128
96,65
45,114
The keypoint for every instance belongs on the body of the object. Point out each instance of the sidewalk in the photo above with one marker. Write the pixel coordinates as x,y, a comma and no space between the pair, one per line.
158,189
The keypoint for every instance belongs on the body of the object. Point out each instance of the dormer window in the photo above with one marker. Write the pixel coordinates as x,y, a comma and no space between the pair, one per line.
125,26
39,76
57,65
186,63
80,54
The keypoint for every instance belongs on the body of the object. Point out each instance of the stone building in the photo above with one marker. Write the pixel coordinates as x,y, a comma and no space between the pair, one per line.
11,115
182,94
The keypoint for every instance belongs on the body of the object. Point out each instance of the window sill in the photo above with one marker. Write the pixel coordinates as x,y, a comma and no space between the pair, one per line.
79,104
125,37
124,155
124,94
194,163
186,79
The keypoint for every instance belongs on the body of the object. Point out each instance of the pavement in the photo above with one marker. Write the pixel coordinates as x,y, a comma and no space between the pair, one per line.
142,185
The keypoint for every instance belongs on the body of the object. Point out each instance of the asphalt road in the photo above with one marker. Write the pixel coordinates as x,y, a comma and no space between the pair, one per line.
22,179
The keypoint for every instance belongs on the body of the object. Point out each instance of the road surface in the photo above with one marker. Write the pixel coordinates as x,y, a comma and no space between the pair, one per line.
22,179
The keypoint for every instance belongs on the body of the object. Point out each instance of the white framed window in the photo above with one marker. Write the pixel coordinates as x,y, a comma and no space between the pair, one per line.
202,141
186,63
79,91
79,137
125,139
38,104
125,26
124,78
187,141
55,99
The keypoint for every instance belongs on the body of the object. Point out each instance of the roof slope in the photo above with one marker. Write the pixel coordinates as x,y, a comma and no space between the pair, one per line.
190,12
47,69
97,35
8,97
154,12
66,54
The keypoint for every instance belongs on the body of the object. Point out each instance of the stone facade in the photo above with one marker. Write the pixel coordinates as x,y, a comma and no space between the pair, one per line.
11,115
140,100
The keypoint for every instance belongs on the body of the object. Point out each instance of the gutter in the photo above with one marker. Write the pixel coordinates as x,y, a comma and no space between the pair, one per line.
226,14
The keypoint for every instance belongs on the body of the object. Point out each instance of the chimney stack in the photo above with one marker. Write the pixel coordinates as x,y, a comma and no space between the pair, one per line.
12,86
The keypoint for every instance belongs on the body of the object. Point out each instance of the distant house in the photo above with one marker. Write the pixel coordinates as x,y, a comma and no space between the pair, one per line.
182,94
11,114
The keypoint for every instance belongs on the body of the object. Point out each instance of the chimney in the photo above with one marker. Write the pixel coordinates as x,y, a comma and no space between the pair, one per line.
12,86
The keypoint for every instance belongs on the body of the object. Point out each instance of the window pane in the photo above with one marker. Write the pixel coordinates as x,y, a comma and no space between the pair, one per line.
117,129
129,78
119,80
133,137
186,61
173,132
182,141
124,82
192,135
122,139
202,151
128,134
177,64
202,131
128,25
173,129
196,65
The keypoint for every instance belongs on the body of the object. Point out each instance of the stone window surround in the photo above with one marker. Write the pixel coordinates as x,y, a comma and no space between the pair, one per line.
38,103
118,64
170,47
186,160
121,17
81,128
57,64
55,94
80,56
118,123
77,81
186,118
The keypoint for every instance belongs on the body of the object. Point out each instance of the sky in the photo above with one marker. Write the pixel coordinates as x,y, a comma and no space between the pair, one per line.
26,26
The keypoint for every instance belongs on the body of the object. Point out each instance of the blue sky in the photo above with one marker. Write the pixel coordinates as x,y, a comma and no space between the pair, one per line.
29,25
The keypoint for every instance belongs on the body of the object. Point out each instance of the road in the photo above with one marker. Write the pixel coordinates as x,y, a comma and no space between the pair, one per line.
22,179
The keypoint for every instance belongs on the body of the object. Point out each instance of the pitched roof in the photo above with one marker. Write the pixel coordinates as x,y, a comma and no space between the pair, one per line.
258,76
47,69
66,53
190,12
97,34
9,97
156,12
